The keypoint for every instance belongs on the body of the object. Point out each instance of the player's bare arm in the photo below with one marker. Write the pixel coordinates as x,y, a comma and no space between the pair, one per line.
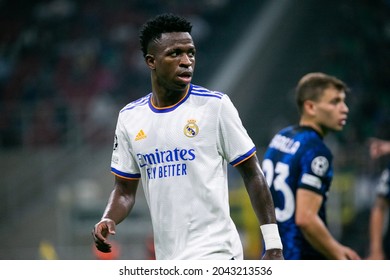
258,190
315,231
260,197
120,203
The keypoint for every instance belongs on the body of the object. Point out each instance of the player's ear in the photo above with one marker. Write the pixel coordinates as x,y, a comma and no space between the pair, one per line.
309,107
150,61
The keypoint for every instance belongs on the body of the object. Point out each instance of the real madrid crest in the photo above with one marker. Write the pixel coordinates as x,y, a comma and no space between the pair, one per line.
191,129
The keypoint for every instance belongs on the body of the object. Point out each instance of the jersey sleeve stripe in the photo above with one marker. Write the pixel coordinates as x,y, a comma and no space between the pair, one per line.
207,95
244,157
201,91
139,102
125,175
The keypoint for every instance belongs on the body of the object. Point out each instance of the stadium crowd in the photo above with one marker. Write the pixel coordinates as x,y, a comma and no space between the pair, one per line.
66,66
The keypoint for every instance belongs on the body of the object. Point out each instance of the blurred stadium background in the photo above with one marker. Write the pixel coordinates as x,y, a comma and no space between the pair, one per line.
68,66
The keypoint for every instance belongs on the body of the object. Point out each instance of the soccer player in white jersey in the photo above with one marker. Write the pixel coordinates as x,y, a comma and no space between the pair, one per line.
178,141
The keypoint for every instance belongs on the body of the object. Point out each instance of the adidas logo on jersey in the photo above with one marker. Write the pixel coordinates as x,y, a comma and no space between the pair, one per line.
141,135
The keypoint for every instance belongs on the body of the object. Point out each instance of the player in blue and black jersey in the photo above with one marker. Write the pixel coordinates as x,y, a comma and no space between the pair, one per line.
298,168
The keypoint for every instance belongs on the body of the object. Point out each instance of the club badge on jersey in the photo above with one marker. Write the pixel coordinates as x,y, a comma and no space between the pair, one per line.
191,129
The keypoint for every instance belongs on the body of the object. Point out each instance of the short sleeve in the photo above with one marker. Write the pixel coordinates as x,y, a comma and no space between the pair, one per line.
234,143
316,170
122,161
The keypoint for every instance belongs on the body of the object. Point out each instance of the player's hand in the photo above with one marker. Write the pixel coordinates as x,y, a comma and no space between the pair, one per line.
378,147
351,254
273,254
100,233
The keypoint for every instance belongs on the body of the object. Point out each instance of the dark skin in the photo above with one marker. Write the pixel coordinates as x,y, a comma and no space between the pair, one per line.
171,60
122,200
120,203
260,197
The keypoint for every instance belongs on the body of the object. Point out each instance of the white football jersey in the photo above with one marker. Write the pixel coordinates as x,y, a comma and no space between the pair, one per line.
181,154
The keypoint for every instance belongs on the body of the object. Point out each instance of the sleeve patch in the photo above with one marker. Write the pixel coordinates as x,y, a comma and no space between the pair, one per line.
320,165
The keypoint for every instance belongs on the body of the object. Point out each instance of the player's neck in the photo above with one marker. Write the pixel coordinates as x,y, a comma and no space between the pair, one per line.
320,129
163,97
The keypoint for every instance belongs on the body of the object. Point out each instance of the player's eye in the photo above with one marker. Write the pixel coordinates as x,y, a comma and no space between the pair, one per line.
174,54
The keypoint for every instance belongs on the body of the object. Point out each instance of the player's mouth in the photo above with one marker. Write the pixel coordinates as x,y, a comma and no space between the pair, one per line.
185,76
343,122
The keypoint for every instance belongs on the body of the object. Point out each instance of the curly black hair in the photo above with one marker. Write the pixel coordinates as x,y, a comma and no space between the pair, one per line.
163,23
